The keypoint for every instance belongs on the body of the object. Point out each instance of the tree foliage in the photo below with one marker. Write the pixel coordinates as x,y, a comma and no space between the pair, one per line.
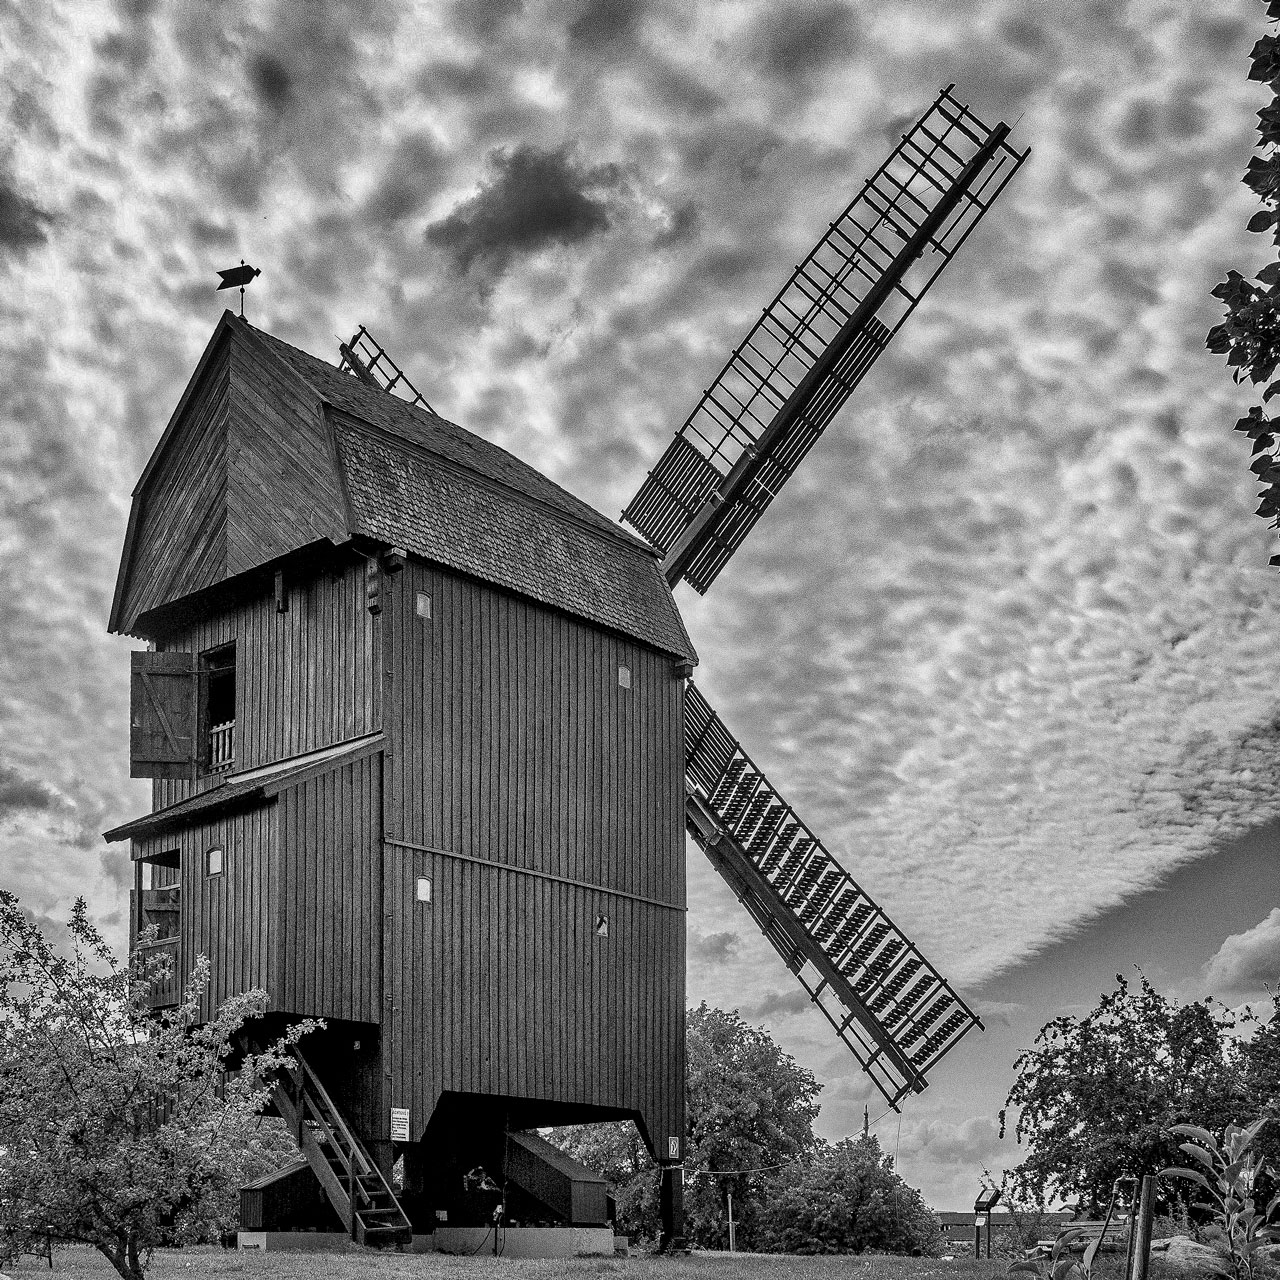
1249,336
1098,1095
119,1129
750,1113
845,1198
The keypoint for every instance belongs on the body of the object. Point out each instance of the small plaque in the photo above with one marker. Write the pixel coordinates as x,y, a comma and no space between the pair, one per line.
980,1220
424,889
399,1124
422,606
624,677
673,1148
602,926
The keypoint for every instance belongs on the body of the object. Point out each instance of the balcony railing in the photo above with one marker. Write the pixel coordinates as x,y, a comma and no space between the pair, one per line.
222,747
164,991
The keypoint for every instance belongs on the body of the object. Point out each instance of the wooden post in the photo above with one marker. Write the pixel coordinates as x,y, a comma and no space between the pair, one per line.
671,1207
351,1188
732,1238
1140,1234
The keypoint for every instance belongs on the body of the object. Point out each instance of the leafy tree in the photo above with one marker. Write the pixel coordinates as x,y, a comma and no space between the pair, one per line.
751,1107
1249,337
119,1129
845,1199
1099,1094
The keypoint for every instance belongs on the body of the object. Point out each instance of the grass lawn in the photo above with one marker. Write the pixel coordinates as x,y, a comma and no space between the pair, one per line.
78,1262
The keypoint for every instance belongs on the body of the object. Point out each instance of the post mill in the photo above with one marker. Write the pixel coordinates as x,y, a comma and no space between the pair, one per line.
425,745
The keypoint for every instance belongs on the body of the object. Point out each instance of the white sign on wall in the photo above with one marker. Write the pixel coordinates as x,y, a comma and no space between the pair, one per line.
399,1124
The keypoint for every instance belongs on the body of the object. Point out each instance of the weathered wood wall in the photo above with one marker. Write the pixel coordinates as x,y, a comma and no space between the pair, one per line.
181,541
297,907
550,795
227,917
329,916
305,678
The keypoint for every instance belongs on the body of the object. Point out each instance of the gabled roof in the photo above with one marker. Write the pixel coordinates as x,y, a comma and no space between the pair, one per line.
271,449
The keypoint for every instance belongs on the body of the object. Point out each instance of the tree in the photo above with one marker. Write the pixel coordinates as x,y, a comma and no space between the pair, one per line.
750,1113
117,1128
846,1198
750,1106
1098,1094
1249,337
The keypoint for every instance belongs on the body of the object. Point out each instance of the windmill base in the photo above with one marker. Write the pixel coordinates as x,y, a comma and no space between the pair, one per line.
513,1242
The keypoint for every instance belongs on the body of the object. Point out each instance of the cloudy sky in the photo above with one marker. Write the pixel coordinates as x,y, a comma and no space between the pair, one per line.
1006,638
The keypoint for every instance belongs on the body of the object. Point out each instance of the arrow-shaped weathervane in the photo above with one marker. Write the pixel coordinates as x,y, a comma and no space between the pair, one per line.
238,276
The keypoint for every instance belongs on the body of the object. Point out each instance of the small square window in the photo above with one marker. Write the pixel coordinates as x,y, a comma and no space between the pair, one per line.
602,926
624,677
424,889
422,606
213,861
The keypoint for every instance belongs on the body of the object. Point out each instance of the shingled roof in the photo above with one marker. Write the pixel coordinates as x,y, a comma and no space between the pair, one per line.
364,462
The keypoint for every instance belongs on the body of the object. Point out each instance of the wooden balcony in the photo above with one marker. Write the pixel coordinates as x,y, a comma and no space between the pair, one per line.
222,747
167,991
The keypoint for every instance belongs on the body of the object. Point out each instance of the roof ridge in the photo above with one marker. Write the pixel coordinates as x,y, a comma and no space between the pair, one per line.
361,393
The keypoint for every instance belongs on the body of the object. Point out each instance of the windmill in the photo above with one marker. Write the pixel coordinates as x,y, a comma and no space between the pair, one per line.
767,407
425,745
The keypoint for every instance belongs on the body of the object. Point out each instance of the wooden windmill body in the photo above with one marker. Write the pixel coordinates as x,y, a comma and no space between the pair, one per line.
425,746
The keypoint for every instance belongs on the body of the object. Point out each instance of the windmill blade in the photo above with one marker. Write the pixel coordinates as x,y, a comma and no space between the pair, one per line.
368,360
887,1003
817,339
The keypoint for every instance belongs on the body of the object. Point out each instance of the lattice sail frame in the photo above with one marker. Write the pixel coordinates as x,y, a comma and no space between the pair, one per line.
817,339
366,357
891,1008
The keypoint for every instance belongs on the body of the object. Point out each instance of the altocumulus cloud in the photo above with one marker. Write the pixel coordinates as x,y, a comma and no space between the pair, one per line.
1247,962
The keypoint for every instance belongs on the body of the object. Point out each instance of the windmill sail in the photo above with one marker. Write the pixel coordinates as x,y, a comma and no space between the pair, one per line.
817,339
884,999
368,360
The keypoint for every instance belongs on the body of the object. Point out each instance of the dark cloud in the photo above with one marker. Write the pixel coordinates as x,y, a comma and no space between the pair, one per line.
411,178
601,23
794,41
714,948
531,200
22,221
484,16
212,234
776,1003
19,794
271,80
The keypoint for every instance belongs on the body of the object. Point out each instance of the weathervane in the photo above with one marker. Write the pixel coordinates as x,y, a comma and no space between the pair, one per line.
241,275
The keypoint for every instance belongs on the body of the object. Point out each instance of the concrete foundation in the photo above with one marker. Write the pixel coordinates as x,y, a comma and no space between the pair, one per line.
513,1242
296,1241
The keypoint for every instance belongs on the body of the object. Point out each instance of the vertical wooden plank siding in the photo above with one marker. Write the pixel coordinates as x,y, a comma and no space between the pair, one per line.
512,742
327,910
227,918
305,679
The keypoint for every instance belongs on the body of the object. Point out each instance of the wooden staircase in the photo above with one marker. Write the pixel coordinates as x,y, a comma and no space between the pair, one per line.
350,1178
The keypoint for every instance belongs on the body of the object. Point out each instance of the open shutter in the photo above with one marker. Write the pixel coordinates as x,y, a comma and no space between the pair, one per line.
162,715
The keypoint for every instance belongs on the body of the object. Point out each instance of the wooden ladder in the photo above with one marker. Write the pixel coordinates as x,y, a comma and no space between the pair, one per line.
354,1184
